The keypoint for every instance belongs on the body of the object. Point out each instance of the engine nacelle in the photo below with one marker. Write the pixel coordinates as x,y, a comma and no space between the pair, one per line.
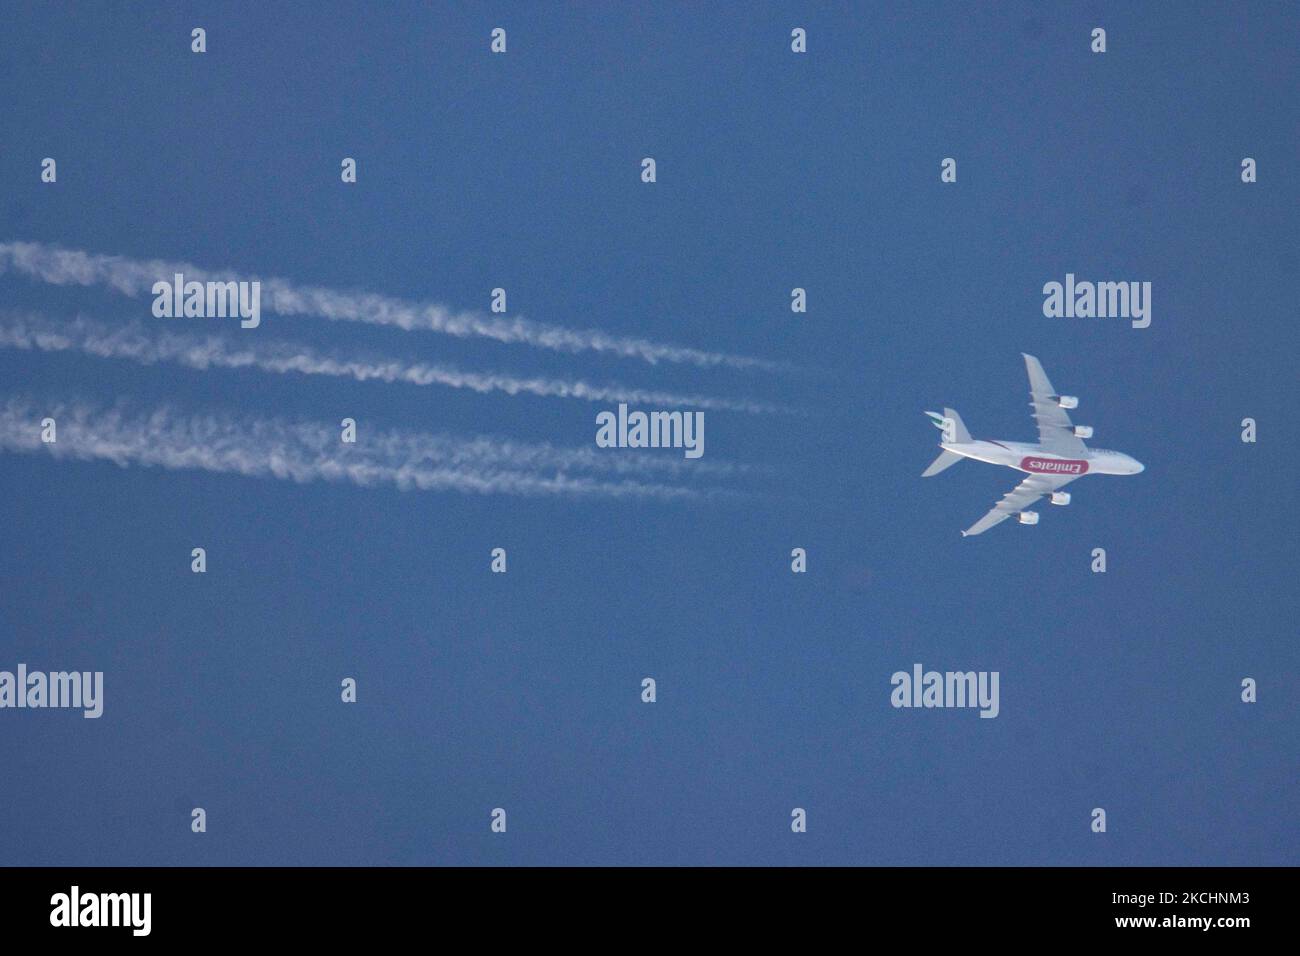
1029,517
1082,431
1067,401
1060,497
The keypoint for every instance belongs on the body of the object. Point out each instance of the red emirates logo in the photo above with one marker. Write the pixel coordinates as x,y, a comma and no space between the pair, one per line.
1054,466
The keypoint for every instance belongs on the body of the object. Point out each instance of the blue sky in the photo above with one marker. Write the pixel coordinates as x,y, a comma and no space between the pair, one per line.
1118,690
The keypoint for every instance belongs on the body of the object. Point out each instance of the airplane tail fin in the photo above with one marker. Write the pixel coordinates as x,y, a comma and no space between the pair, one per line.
954,432
953,428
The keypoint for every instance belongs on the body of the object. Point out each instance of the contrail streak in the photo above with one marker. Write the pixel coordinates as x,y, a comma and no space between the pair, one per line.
135,278
305,452
134,342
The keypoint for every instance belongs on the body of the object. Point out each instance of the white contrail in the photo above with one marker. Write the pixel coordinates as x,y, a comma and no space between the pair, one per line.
134,342
135,277
304,452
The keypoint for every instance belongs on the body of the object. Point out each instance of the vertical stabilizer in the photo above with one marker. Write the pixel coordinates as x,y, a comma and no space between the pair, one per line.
953,428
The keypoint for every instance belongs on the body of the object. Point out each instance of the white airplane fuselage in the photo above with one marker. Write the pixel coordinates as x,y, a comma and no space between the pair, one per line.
1031,459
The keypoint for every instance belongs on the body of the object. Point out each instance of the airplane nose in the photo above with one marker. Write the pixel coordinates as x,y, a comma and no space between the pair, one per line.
1138,467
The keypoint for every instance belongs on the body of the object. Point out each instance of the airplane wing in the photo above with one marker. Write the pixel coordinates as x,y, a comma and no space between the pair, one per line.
1018,499
1055,430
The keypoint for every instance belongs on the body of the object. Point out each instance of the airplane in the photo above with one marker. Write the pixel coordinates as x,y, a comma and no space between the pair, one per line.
1059,457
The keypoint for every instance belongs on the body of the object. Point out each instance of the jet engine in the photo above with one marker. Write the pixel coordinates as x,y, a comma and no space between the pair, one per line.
1082,431
1060,497
1067,401
1029,517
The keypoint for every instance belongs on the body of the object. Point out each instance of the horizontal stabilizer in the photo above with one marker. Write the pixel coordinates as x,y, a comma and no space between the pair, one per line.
946,459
